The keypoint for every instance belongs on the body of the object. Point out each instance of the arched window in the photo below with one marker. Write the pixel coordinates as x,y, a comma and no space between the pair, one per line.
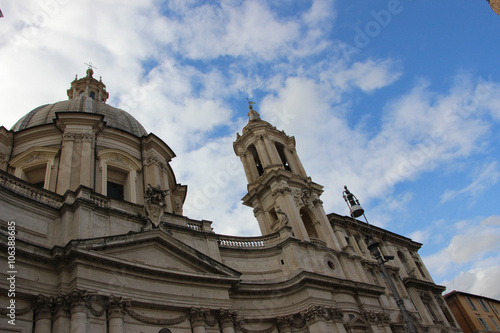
281,152
92,95
404,261
275,224
35,166
258,164
308,223
119,174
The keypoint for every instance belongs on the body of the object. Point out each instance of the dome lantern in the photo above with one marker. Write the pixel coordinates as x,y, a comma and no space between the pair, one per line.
88,87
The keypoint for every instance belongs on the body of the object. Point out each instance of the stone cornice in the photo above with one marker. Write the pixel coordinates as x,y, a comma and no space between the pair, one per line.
81,252
410,282
259,187
379,233
305,278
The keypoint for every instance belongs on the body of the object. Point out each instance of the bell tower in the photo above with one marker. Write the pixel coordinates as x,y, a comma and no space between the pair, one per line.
279,190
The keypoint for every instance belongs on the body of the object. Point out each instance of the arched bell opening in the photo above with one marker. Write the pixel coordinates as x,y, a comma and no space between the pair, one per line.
308,222
281,152
256,159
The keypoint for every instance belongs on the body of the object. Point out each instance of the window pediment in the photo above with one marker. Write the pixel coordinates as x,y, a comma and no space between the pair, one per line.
34,156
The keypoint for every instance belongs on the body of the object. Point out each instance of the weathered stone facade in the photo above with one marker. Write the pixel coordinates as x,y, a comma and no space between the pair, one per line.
101,244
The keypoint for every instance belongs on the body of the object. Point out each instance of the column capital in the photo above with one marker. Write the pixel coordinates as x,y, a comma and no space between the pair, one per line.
284,323
227,318
117,306
43,307
198,316
313,314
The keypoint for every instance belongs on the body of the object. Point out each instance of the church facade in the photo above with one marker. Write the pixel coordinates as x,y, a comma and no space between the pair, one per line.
93,238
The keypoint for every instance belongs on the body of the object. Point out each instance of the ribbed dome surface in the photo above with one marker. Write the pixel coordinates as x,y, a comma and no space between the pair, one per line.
113,117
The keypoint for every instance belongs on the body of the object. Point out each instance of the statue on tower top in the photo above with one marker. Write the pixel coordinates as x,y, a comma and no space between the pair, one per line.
252,114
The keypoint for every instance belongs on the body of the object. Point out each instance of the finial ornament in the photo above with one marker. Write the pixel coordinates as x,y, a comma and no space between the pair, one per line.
252,114
90,70
250,104
90,65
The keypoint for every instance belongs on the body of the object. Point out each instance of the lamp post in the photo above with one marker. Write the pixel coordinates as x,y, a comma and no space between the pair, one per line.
357,211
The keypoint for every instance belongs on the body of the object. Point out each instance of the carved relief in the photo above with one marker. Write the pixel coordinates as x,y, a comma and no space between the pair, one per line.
281,190
154,206
316,312
257,211
78,136
304,198
376,318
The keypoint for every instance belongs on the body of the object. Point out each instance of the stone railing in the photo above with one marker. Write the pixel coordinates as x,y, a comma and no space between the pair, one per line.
99,200
195,225
249,242
28,190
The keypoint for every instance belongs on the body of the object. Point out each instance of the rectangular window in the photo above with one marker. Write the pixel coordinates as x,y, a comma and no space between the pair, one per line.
483,323
484,305
36,175
115,190
472,306
420,269
495,323
116,183
494,307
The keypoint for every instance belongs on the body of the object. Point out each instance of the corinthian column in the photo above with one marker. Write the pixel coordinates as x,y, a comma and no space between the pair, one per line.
315,318
79,311
116,312
198,320
284,324
43,317
226,320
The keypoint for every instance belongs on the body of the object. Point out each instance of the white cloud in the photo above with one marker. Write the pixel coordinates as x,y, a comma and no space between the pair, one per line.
480,281
474,248
368,76
487,176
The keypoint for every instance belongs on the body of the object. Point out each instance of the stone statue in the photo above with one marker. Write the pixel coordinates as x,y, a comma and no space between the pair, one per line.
282,217
252,114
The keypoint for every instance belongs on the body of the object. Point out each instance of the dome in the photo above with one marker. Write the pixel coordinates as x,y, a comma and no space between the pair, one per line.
113,117
85,95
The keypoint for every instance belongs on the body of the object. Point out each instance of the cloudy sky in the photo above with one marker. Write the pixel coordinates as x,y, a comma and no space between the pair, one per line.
398,99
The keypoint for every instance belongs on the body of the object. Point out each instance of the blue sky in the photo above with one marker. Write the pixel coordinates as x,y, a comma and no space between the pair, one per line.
398,99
